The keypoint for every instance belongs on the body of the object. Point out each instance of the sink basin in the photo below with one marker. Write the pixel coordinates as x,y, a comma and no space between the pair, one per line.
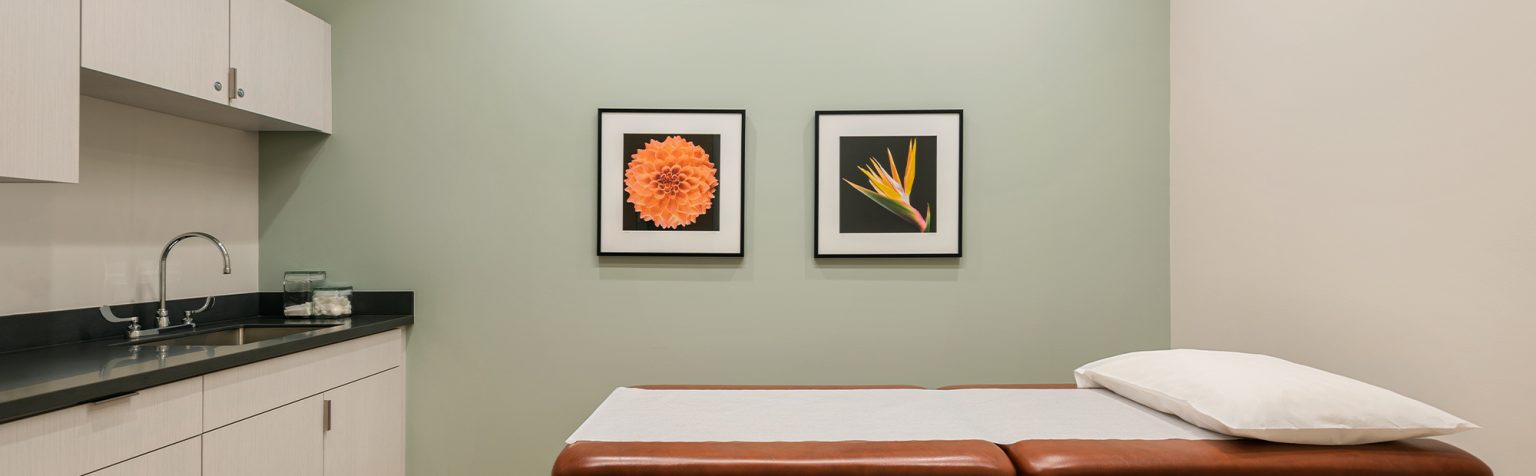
237,335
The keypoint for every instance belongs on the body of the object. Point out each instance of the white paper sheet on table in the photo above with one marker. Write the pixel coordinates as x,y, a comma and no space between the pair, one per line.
998,415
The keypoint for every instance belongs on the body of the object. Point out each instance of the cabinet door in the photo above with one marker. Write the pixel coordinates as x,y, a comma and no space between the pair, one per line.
282,60
178,45
367,427
285,441
43,445
181,459
39,91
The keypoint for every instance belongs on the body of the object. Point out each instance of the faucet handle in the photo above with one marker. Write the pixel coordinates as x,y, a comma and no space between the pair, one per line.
133,322
106,313
207,303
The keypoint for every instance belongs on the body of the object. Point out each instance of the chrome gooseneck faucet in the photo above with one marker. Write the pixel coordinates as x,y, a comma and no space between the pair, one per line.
162,317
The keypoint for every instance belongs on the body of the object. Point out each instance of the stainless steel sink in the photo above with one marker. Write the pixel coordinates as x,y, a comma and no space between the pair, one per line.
237,335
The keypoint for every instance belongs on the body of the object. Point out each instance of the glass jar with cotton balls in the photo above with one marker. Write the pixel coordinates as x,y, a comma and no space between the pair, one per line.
333,299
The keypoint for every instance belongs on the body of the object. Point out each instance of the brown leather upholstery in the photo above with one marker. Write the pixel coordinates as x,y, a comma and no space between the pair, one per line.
1239,458
1026,386
843,458
774,387
1034,457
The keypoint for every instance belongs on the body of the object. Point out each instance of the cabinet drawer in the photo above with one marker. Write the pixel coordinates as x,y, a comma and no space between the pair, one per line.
91,436
181,459
240,392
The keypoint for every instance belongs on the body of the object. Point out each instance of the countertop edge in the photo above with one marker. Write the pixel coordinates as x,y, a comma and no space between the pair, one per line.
56,400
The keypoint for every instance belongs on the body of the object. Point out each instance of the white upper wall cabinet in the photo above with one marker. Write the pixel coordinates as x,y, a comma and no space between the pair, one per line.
282,60
39,91
261,65
178,45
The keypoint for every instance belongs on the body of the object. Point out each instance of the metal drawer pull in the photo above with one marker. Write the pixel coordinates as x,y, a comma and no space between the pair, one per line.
327,415
113,398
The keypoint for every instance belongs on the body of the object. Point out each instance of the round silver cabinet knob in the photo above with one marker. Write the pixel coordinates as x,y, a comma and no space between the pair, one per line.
240,92
218,85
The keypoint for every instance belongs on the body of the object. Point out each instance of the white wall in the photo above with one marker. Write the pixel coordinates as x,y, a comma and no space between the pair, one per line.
144,178
1354,188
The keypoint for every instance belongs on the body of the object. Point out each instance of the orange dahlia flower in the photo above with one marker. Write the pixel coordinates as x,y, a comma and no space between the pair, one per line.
671,183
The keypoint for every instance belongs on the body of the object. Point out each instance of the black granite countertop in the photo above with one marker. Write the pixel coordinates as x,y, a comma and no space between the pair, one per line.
43,379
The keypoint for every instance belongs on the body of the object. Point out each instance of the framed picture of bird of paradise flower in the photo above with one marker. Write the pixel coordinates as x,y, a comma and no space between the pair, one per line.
888,183
670,182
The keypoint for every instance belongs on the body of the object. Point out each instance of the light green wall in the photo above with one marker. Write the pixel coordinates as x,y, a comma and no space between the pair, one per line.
463,167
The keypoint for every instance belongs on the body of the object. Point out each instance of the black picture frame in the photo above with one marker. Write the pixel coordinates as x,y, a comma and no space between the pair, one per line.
741,183
816,235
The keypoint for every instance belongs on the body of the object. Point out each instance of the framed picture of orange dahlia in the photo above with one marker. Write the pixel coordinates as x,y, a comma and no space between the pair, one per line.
670,182
888,183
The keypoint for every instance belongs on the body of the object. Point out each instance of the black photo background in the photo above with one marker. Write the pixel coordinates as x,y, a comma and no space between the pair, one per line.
856,212
710,220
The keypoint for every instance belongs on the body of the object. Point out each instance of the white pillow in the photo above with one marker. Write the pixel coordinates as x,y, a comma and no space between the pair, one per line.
1259,396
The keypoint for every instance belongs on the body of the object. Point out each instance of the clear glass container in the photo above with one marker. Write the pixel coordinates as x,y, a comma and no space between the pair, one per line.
298,292
333,300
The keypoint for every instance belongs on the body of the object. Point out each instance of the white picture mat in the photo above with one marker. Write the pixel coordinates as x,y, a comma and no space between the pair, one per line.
944,126
614,238
1003,416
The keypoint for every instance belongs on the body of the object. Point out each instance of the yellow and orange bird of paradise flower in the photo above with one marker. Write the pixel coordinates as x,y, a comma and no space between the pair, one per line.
892,191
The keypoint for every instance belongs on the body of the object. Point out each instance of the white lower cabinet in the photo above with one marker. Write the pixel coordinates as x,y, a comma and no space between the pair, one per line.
235,394
181,459
349,419
336,410
366,436
356,429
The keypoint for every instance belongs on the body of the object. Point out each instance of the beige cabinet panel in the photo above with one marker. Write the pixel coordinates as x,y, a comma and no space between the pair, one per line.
285,441
367,427
44,445
181,459
177,45
39,91
282,58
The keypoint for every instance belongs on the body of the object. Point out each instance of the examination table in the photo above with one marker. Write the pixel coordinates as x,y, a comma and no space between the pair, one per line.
1157,446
